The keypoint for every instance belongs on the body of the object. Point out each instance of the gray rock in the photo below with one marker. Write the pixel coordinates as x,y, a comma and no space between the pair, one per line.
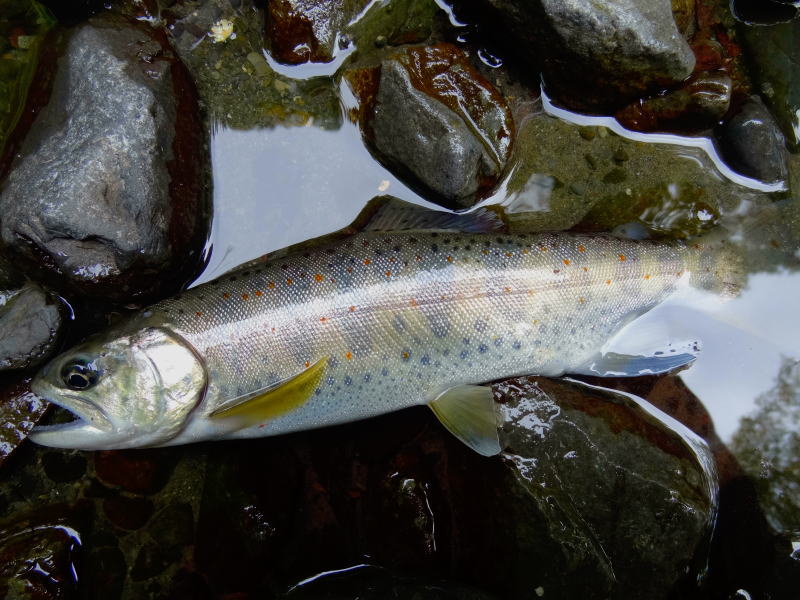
598,53
429,143
602,488
108,188
30,321
752,143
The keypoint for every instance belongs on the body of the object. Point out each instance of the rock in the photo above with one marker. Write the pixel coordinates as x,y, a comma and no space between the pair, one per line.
764,12
437,123
108,194
30,321
596,54
140,472
39,559
302,31
698,104
775,55
20,409
624,492
752,144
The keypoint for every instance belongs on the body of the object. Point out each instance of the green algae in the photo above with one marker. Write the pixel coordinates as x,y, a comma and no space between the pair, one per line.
23,26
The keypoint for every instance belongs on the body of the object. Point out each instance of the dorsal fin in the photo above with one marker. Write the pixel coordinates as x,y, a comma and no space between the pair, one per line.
387,213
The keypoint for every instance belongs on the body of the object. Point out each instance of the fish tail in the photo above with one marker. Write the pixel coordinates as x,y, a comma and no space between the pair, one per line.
764,239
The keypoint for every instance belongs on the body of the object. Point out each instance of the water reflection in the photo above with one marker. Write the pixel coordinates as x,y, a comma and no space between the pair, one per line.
277,187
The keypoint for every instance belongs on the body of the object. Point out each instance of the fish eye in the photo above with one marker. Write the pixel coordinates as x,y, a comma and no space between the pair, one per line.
79,375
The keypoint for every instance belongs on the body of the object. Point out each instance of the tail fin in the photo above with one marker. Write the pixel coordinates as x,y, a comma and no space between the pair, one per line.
762,239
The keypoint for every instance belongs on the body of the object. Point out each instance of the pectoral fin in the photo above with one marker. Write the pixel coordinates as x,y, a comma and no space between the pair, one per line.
275,400
468,412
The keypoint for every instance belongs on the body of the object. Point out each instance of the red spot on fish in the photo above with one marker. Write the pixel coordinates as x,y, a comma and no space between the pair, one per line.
348,355
271,285
449,259
622,258
289,282
318,277
405,355
392,259
608,282
566,261
367,261
226,295
509,254
581,248
412,302
419,258
245,296
308,364
543,248
581,299
323,319
507,290
352,309
349,269
647,276
585,269
484,251
198,314
388,273
258,292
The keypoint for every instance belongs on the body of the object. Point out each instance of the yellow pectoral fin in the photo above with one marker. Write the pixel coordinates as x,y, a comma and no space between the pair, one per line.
274,401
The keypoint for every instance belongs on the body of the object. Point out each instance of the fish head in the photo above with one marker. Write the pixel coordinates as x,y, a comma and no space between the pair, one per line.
127,389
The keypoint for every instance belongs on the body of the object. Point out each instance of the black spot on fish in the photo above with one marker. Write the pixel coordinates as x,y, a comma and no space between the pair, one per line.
384,372
232,278
434,248
434,234
333,362
396,248
482,348
347,380
425,360
367,377
412,240
330,381
498,342
516,345
466,341
317,392
480,325
464,354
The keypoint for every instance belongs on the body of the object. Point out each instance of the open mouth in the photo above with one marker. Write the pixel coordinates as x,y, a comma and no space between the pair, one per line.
89,427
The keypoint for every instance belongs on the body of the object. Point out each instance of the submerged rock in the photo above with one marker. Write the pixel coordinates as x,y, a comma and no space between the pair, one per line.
752,144
108,191
436,122
698,104
308,30
30,321
597,54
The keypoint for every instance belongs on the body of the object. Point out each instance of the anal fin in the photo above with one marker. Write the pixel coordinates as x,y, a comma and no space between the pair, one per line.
468,412
612,364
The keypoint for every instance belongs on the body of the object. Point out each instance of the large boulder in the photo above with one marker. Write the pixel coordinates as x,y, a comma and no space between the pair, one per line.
596,54
107,193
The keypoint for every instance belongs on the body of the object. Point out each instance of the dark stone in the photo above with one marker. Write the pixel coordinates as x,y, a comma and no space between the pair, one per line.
596,54
698,104
38,560
128,513
150,561
764,12
30,320
104,573
64,466
429,100
173,526
20,410
752,144
138,472
107,194
302,31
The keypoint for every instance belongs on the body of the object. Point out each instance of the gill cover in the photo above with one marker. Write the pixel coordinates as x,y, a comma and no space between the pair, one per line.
128,390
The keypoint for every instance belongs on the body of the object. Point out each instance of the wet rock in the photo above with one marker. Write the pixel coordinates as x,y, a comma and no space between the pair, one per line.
597,54
752,144
775,55
308,30
625,492
764,12
38,560
30,321
436,123
107,194
698,104
63,466
20,410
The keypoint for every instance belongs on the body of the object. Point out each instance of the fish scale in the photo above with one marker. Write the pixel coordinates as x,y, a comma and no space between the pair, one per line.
403,316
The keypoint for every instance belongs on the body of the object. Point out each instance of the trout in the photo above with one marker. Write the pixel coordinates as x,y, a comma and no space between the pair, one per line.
418,307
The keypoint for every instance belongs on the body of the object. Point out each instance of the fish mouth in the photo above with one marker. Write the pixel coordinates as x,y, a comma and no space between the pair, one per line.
90,430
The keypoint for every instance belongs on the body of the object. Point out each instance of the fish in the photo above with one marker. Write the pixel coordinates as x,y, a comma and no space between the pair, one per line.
407,307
